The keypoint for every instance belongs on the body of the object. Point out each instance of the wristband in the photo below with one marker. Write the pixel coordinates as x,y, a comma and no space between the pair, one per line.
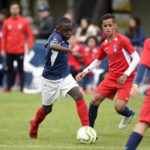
86,71
135,85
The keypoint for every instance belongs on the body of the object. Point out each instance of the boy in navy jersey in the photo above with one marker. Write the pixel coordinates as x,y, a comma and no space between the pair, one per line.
56,76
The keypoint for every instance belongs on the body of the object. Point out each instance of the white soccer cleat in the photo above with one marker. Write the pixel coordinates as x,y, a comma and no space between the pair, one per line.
125,121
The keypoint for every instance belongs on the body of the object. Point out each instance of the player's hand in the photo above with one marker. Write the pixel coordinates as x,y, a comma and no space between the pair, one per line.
80,76
76,54
3,54
134,91
122,79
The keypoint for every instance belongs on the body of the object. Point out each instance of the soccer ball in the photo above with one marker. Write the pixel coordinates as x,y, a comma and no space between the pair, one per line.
86,135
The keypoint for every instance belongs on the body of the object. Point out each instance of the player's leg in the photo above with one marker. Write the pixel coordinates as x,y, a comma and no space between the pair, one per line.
80,104
142,125
137,135
105,89
120,104
122,109
39,117
50,92
20,59
93,108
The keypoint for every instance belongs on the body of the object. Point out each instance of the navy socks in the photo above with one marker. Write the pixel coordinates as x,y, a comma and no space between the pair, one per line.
133,141
92,114
127,112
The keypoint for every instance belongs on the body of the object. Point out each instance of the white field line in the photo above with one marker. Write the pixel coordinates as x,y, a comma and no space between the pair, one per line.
66,147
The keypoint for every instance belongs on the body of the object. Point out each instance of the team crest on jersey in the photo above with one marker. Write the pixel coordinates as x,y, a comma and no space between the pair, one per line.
9,27
19,26
115,48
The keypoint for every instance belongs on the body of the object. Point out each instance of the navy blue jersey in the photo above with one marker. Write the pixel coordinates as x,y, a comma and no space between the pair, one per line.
56,65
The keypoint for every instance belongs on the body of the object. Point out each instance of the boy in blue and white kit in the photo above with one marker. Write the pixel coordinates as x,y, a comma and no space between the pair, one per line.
56,76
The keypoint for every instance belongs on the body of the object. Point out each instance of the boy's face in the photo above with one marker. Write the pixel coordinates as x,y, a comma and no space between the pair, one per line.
109,27
65,29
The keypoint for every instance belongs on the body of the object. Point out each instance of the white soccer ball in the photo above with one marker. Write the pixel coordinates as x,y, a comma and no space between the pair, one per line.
86,135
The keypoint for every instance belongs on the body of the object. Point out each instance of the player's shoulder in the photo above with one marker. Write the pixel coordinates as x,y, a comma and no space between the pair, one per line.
121,37
55,37
147,41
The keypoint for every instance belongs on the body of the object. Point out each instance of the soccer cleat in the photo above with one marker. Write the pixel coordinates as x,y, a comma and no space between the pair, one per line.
7,91
33,129
126,120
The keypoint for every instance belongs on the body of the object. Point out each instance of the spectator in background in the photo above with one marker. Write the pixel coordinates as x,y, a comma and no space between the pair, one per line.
15,30
90,52
85,30
74,63
136,34
47,24
74,25
3,16
30,20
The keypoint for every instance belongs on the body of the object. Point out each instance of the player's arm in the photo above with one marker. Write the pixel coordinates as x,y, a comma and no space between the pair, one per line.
126,44
140,74
56,47
88,69
135,60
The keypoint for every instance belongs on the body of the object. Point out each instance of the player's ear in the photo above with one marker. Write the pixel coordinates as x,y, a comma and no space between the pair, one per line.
57,28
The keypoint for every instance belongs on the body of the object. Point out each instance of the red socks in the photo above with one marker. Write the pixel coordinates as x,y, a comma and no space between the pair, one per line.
82,112
40,116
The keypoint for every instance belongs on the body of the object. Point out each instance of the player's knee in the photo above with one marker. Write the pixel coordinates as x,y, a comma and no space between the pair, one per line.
78,96
47,109
119,107
97,99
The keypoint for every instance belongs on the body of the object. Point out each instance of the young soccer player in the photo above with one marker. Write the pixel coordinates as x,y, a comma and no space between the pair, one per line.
56,77
121,72
144,119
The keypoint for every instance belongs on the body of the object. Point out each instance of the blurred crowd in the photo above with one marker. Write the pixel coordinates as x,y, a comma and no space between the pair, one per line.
86,39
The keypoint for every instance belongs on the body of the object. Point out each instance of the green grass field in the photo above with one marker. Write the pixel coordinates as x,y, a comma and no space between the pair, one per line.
58,131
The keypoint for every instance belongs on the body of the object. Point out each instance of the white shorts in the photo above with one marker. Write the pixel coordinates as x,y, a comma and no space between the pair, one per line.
51,89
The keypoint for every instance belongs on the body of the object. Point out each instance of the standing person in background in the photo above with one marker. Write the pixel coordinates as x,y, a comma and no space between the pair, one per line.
3,16
90,53
74,63
136,34
47,24
144,118
15,30
85,30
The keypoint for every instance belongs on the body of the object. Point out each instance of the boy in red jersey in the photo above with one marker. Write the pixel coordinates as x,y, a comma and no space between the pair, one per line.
144,119
121,72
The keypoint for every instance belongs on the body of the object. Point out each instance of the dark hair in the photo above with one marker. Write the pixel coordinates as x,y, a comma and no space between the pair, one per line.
4,12
108,16
132,31
15,3
63,20
91,37
83,31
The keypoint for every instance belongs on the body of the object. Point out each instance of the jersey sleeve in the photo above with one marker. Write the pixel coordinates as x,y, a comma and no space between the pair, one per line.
55,39
126,44
101,54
